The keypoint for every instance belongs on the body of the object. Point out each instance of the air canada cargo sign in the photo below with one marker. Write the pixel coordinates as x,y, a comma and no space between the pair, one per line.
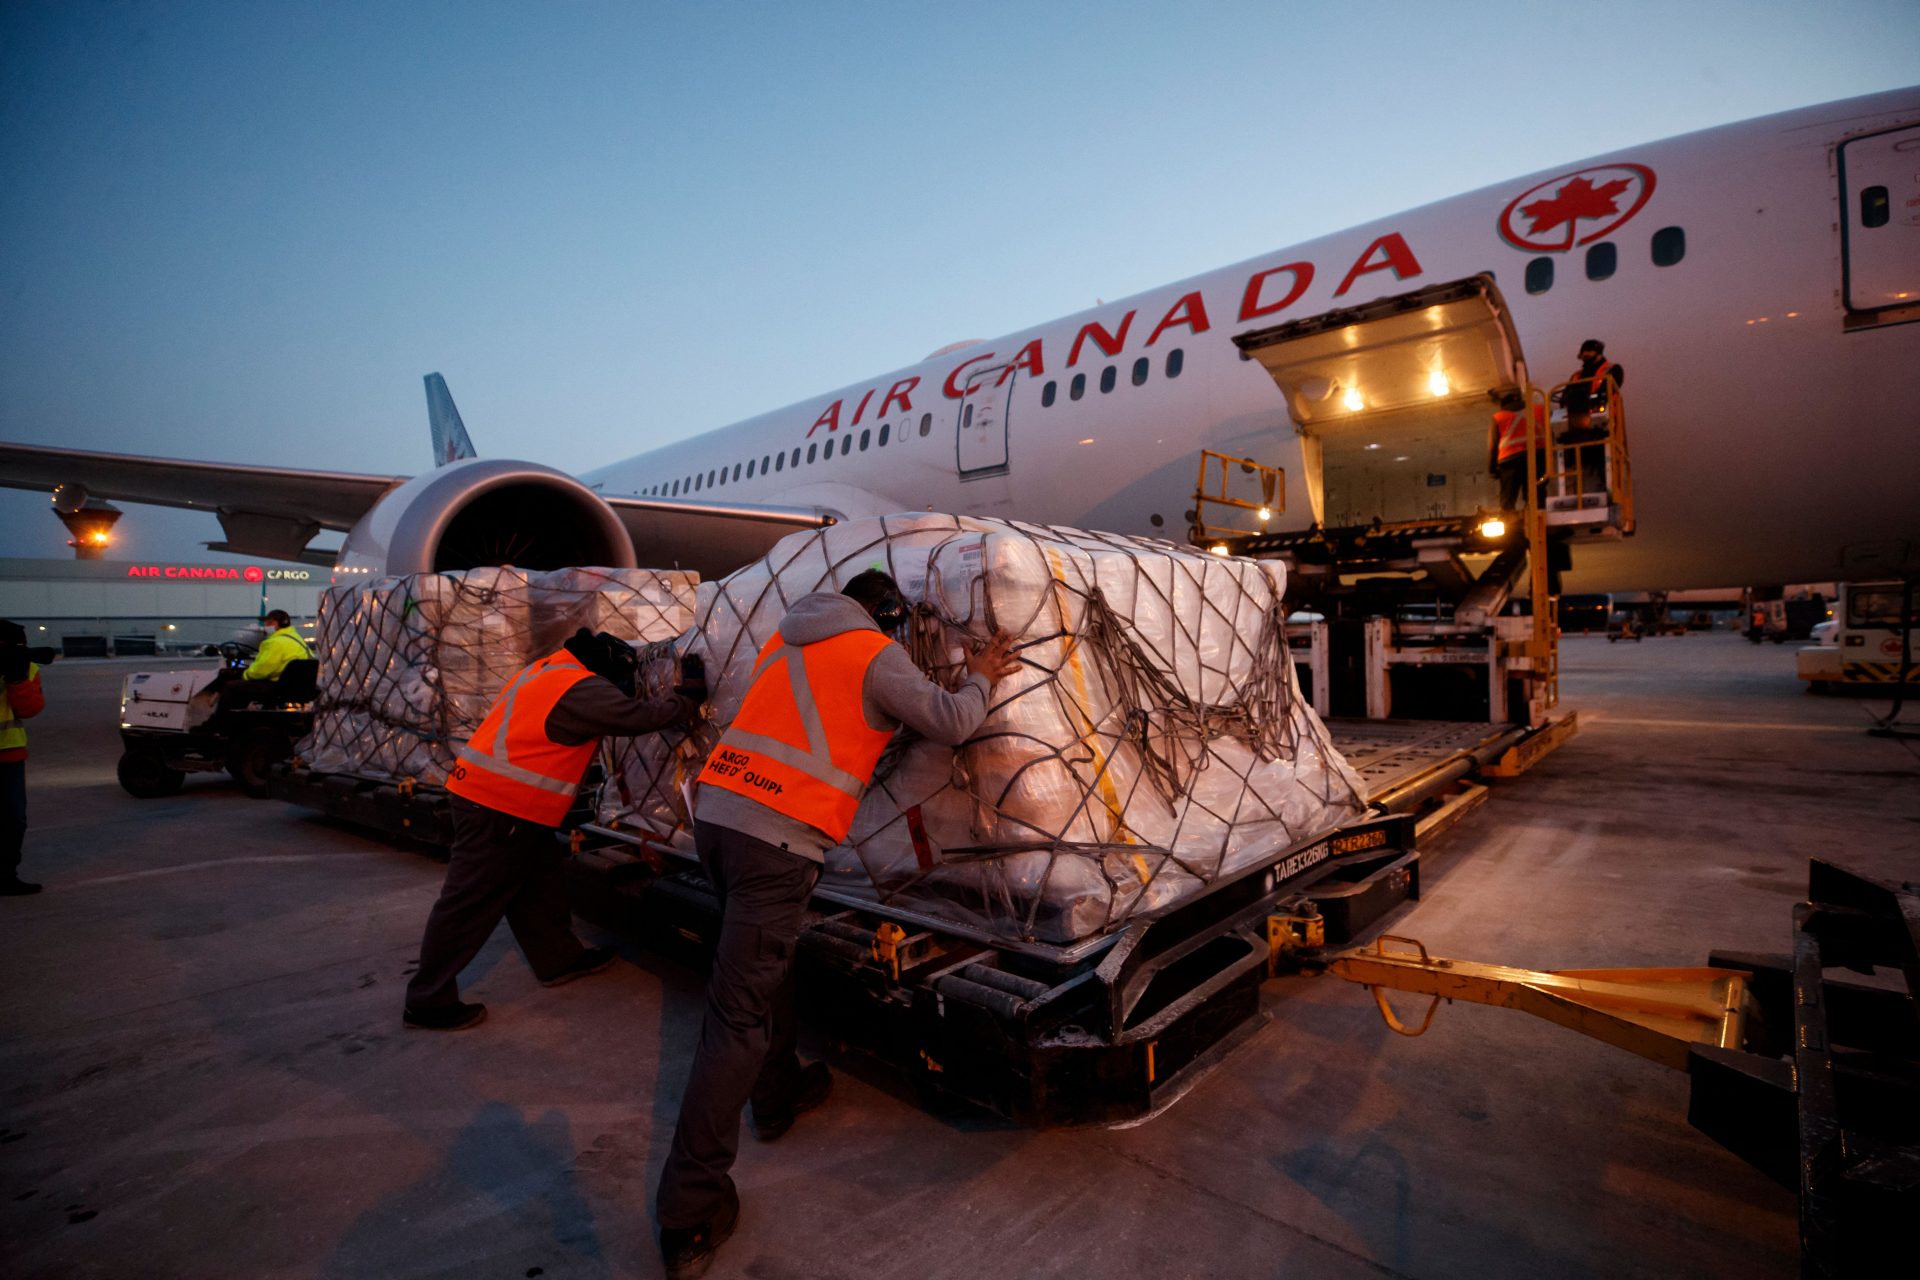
217,573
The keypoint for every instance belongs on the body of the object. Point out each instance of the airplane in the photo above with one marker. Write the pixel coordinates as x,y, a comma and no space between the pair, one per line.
1759,282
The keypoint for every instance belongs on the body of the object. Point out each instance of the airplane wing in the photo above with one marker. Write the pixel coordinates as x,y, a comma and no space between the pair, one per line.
276,511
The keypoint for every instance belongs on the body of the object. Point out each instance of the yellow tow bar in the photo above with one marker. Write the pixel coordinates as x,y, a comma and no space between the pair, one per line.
1656,1013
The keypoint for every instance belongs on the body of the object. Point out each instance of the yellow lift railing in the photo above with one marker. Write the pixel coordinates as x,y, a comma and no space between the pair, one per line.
1269,492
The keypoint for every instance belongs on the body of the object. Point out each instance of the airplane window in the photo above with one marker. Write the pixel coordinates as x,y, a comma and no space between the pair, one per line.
779,461
813,451
766,464
1047,394
736,471
885,428
709,479
1078,387
1176,361
1602,258
796,456
1669,246
676,488
866,438
1539,275
926,424
966,419
846,445
1140,371
1873,207
1107,379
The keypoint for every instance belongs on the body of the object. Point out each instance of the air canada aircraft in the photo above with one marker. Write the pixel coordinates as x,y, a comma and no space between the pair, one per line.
1760,282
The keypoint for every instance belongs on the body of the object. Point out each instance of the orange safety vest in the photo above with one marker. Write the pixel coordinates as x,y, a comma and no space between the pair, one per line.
1512,431
1598,386
509,763
801,744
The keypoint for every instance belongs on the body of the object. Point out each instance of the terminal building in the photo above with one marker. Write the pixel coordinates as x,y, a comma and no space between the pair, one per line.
100,608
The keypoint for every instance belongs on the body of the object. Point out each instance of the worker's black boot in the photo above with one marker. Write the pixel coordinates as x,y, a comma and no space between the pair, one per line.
15,887
446,1017
592,960
815,1083
688,1252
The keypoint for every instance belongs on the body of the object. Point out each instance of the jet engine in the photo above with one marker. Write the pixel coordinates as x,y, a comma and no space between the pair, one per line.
485,511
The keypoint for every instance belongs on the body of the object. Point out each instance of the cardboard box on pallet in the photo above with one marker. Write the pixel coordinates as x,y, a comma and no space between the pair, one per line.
410,665
1153,740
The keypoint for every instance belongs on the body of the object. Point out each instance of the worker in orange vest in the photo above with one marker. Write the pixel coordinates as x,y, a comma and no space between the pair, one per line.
1508,447
778,791
1587,392
513,784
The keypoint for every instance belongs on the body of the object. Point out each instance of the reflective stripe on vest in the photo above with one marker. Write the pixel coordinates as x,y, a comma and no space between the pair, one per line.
1512,431
509,763
801,744
13,730
1599,377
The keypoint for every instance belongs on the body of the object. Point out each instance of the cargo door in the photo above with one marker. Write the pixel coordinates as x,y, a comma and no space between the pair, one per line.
981,428
1391,400
1880,237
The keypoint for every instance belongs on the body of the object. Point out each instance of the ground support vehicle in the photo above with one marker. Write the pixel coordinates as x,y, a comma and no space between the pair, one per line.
1420,598
1814,1080
1871,642
1106,1029
173,723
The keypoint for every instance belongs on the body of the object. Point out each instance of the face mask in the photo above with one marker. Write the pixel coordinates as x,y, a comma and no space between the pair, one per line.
891,614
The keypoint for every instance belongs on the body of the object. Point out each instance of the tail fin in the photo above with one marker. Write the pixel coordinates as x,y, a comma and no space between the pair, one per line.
450,442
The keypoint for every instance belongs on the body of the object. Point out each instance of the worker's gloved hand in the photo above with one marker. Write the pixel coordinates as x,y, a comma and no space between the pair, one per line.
693,679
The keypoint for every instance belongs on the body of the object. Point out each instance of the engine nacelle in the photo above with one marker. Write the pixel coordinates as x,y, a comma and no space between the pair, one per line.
485,511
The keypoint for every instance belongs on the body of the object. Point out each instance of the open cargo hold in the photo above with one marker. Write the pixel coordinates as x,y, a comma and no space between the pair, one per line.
1153,743
409,665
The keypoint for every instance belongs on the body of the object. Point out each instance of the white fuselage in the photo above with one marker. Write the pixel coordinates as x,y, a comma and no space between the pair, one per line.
1770,426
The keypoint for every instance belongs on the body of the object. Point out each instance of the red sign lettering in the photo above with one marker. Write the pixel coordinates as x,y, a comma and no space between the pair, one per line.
1393,253
1190,311
1251,308
1110,343
952,389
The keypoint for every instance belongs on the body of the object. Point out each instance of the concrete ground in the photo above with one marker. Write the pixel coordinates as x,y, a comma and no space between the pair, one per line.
203,1073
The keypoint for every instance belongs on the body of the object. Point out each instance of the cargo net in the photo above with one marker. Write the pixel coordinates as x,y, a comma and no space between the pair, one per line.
1153,740
410,665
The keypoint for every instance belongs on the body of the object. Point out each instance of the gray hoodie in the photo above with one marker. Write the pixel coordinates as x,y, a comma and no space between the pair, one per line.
896,693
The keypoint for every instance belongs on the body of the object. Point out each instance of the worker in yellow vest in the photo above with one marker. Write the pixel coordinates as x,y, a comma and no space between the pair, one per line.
777,792
20,701
512,786
261,679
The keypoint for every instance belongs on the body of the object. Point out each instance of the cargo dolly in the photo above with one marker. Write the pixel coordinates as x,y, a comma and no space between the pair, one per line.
1105,1029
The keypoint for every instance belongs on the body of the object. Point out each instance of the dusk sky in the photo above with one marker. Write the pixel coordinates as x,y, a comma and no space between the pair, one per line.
244,231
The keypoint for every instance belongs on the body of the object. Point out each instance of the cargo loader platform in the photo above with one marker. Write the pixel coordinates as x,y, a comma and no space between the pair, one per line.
1107,1029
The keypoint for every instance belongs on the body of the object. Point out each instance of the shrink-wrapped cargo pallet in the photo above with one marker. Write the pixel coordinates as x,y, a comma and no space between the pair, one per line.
409,665
1153,740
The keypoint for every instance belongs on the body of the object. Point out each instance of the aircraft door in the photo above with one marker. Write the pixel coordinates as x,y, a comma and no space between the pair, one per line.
1880,244
981,427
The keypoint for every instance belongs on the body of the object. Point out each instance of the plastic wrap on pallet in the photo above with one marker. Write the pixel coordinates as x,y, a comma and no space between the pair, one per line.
409,665
1153,740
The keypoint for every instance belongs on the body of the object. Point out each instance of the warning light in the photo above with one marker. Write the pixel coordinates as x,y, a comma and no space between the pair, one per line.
1437,383
1353,400
1265,514
1493,527
1218,548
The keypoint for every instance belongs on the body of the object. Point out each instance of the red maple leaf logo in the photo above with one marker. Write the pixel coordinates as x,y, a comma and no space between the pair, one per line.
1578,199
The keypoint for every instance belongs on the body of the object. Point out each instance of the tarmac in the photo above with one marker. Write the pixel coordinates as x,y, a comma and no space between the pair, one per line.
203,1071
